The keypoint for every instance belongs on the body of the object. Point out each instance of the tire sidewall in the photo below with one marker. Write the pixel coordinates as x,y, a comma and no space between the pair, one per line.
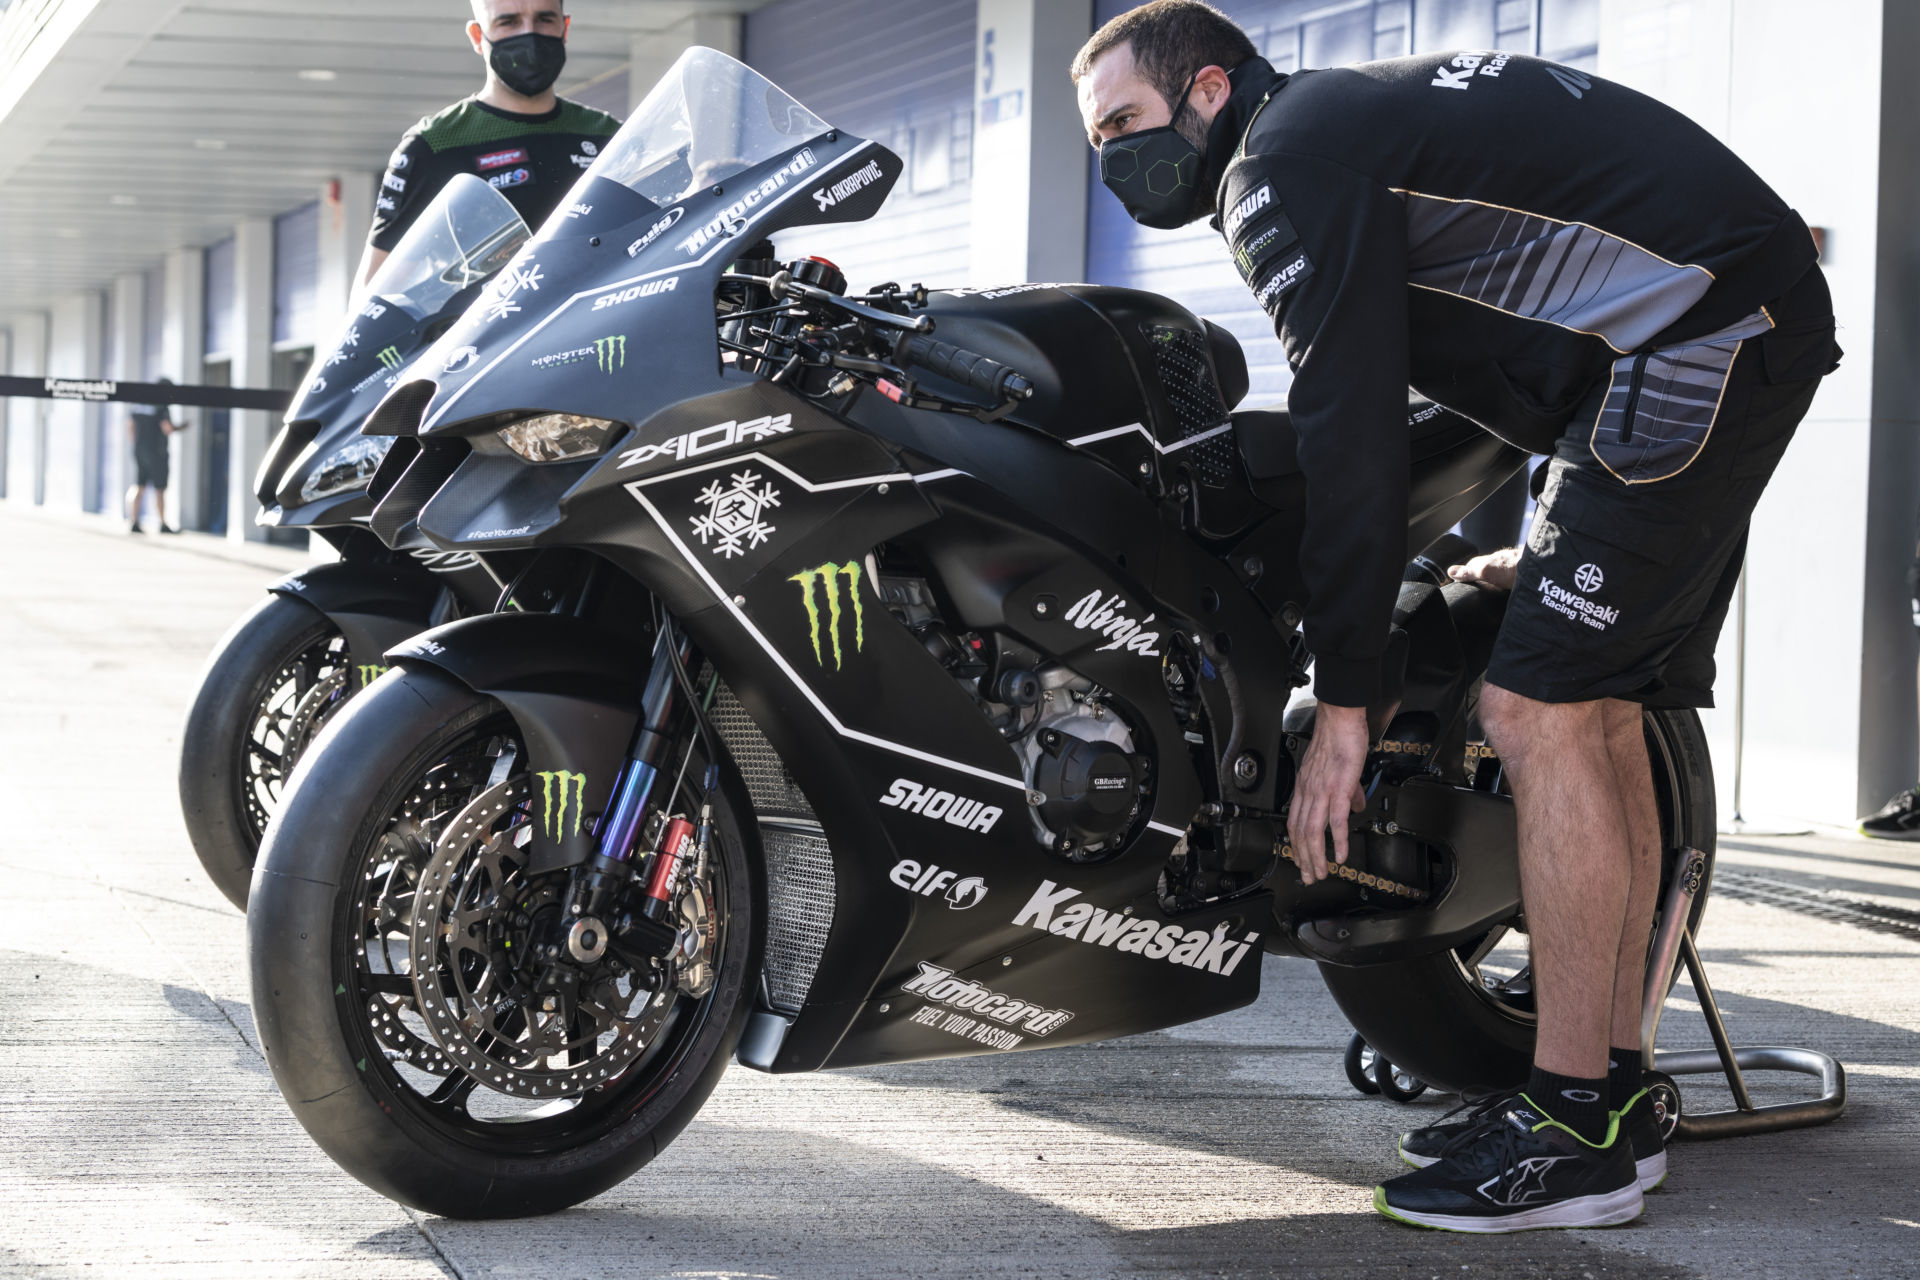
341,1092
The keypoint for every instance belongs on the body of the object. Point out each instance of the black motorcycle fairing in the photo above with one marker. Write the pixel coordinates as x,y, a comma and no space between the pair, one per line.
595,286
570,687
373,605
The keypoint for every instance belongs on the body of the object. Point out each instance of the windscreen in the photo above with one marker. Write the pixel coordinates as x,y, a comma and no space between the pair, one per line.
707,119
466,234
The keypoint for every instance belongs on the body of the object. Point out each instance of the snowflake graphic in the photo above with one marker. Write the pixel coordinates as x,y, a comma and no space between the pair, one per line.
736,514
338,357
518,278
353,337
501,308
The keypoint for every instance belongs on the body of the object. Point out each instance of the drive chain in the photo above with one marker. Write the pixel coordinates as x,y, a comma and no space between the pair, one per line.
1365,879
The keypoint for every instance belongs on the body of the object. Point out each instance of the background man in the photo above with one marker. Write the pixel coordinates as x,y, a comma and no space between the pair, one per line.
516,133
1590,275
148,426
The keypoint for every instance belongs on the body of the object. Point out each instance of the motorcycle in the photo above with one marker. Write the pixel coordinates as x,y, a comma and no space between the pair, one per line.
289,664
904,675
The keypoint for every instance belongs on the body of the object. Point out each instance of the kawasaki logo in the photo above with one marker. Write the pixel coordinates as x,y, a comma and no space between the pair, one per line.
390,357
1216,952
369,672
1110,620
562,795
942,806
611,352
828,576
939,986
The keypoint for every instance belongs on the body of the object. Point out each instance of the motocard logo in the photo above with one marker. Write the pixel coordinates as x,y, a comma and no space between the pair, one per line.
854,182
501,159
929,879
1110,619
1217,952
721,435
938,986
655,231
646,290
729,219
942,806
1252,204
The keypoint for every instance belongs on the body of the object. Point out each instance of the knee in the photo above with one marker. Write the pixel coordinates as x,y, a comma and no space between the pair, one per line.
1519,726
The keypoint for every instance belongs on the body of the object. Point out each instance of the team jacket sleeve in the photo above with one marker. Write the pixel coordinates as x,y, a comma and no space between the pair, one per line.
1324,250
405,188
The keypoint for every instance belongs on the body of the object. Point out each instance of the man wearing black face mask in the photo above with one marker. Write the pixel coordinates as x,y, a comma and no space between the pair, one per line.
1589,275
516,133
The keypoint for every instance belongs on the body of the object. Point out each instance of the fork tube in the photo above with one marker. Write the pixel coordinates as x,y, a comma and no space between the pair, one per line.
620,826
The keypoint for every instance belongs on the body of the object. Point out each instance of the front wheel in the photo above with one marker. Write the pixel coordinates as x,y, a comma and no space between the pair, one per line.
1465,1017
412,1002
273,681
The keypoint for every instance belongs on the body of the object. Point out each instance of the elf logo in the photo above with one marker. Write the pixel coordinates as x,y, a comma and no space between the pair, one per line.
1250,205
928,879
1216,952
942,806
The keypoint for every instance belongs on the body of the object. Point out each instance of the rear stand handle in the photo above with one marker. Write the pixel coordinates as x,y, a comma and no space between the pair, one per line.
1673,946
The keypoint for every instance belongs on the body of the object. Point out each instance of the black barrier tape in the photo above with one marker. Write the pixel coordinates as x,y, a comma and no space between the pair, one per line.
103,391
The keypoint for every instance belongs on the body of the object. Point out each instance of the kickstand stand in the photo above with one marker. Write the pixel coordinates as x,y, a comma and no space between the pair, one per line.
1727,1060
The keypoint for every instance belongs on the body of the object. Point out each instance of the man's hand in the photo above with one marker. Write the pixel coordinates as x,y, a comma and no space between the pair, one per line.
1494,571
1328,788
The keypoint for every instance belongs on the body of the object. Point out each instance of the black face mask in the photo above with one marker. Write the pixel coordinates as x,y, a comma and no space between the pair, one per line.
1156,173
528,64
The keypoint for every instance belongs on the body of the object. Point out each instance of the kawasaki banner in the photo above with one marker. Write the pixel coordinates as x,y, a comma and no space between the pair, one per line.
104,390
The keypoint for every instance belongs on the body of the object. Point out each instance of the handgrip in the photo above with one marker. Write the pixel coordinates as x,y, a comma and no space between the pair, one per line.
967,368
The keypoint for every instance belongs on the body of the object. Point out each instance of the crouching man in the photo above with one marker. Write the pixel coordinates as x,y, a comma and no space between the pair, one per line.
1589,275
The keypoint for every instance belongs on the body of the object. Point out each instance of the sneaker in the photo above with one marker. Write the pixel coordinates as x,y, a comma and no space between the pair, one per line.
1422,1147
1519,1170
135,528
1898,819
1641,1129
167,528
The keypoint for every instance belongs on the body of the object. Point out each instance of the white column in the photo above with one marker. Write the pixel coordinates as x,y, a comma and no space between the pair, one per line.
655,51
1029,152
72,434
26,419
127,320
183,341
253,368
1829,712
346,215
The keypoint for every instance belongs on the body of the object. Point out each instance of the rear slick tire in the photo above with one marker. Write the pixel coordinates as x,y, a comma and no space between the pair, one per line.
350,1097
214,746
1434,1021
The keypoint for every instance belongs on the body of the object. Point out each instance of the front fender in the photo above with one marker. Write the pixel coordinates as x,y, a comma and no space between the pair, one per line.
375,606
574,691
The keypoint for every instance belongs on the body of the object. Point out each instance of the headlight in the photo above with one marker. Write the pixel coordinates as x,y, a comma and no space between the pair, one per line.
349,467
556,437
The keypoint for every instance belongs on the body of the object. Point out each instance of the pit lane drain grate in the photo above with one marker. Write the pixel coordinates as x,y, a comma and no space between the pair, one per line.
1824,904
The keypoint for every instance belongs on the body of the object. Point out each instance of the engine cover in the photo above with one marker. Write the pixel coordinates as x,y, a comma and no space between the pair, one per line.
1091,787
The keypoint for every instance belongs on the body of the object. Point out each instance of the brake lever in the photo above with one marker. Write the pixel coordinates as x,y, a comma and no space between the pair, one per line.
782,283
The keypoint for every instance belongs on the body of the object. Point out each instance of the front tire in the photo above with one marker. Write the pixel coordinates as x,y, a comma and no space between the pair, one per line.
272,681
1450,1021
349,1043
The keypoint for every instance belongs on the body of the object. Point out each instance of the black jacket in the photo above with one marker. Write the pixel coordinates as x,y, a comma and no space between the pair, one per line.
1494,231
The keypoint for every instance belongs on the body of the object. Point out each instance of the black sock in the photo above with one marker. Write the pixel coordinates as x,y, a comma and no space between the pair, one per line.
1581,1105
1623,1077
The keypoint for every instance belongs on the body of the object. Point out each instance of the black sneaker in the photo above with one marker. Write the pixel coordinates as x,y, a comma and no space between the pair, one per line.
1422,1147
1898,819
135,528
167,528
1641,1128
1519,1170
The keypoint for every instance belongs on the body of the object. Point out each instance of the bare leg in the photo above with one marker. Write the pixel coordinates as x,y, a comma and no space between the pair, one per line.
160,505
1574,868
133,504
1633,777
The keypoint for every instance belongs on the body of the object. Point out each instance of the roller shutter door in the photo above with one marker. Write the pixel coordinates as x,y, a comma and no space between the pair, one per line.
296,275
221,317
1191,265
901,75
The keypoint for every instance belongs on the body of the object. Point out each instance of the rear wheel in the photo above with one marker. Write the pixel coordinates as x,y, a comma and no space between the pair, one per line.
1465,1017
273,681
406,1000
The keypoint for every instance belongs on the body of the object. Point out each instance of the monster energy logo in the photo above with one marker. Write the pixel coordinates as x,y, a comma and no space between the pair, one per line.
611,352
559,792
390,357
369,672
828,577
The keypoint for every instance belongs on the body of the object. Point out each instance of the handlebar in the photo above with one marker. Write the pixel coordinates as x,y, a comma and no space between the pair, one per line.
956,364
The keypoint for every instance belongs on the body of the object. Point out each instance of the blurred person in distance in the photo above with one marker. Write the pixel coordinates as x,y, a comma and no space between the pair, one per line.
148,427
516,134
1899,818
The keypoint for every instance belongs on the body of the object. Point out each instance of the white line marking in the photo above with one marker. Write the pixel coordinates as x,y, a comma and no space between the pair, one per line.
1082,441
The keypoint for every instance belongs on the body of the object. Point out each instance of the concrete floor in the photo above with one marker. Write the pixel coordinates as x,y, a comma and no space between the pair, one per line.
140,1134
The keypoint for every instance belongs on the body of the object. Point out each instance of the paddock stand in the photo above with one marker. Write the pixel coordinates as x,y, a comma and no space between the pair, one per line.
1673,946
